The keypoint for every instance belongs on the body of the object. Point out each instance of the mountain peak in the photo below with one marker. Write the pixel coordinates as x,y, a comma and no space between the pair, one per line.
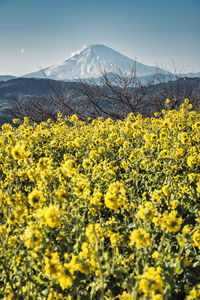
94,49
91,61
101,49
97,46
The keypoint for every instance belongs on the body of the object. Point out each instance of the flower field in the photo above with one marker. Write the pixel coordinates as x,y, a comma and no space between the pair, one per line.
101,210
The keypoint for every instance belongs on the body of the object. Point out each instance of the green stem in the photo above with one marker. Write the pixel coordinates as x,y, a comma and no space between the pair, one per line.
135,290
162,241
8,279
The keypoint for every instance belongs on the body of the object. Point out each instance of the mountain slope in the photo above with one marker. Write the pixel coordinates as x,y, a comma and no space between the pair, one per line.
7,77
191,75
91,62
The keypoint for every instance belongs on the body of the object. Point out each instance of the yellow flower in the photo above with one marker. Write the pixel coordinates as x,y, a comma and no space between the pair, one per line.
15,121
94,232
93,155
82,186
55,269
126,144
69,167
132,157
166,190
155,255
87,164
163,135
179,152
6,127
19,151
171,222
198,186
196,238
124,296
194,293
146,211
192,176
62,194
187,262
151,281
44,163
183,137
52,264
96,198
164,153
116,239
115,196
191,160
32,237
185,236
197,125
52,216
73,118
157,195
64,280
186,101
71,191
139,237
36,199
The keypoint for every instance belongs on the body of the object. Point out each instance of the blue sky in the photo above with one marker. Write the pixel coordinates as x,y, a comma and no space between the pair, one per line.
39,33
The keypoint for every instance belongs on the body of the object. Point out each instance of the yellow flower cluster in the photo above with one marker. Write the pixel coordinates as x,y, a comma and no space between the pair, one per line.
194,293
115,196
101,209
171,222
151,282
140,237
55,269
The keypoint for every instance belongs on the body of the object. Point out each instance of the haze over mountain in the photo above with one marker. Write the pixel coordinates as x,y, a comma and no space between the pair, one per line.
91,62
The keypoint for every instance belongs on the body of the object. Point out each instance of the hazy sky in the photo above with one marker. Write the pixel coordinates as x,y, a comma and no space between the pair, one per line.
39,33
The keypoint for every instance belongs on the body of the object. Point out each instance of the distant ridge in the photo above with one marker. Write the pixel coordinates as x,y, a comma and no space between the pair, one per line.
7,77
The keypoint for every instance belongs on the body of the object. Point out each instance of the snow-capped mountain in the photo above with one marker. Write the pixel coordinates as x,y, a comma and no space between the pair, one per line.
191,75
91,62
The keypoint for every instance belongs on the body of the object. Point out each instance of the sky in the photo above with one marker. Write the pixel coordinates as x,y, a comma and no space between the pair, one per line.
38,33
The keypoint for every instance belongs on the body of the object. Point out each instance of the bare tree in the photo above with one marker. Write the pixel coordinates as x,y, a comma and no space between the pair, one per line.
111,95
116,95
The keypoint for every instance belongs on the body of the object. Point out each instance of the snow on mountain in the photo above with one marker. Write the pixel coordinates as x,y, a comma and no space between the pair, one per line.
191,75
91,62
7,77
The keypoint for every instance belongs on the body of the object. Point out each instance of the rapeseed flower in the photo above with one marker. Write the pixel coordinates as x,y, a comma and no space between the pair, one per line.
140,238
86,206
115,196
36,198
69,167
52,216
151,282
171,222
147,211
196,238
